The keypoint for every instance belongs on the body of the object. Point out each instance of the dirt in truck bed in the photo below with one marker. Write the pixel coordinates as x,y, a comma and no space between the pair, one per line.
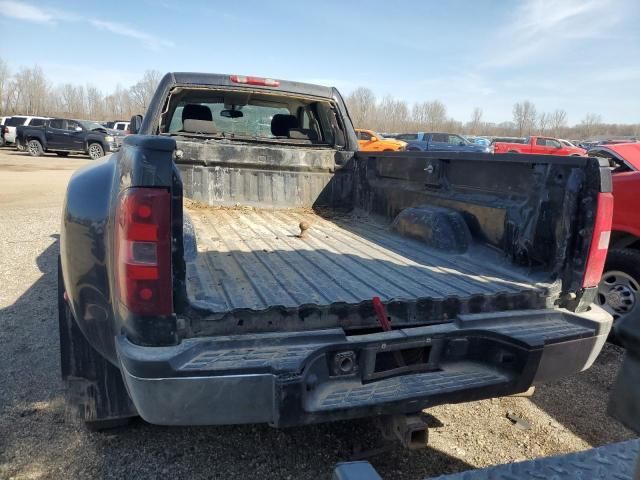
254,258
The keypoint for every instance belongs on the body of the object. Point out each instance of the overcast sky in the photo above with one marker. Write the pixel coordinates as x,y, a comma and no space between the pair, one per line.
580,55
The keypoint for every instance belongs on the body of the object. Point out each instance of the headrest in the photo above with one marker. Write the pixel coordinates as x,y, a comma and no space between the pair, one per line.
282,123
196,112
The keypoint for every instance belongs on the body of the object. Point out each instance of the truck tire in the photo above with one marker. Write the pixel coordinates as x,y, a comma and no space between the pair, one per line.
62,154
95,151
619,289
95,391
34,147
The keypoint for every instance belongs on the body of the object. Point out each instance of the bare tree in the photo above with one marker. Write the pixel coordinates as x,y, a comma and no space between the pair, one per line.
94,102
589,124
392,114
544,120
73,100
119,104
29,90
524,116
558,122
475,125
361,104
436,115
142,91
5,75
420,114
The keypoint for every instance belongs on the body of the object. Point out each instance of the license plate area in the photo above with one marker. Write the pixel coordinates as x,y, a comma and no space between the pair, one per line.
386,360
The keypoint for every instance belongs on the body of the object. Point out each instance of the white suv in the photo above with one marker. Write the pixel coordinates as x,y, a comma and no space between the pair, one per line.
17,120
122,126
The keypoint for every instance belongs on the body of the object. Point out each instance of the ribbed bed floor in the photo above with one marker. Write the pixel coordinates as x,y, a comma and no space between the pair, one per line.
254,259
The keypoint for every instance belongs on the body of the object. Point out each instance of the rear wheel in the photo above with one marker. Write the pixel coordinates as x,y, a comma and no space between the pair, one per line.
34,147
96,151
62,154
619,289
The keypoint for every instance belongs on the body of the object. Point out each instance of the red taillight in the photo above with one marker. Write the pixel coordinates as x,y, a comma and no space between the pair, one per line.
143,251
265,82
599,241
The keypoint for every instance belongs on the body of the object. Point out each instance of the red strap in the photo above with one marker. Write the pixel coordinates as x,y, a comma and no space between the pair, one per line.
382,314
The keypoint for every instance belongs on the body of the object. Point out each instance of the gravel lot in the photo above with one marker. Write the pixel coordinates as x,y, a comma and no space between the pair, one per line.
38,440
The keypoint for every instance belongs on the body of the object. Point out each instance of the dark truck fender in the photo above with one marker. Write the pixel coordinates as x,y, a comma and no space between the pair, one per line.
84,250
95,138
86,240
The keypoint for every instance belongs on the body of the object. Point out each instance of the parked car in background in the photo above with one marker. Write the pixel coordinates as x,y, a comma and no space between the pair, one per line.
477,140
3,129
63,136
122,126
588,144
619,289
20,120
540,146
370,141
508,140
439,142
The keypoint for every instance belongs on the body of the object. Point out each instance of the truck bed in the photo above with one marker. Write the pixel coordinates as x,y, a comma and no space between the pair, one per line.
249,258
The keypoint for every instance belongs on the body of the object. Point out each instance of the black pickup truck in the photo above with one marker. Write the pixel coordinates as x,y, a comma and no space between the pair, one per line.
239,261
64,136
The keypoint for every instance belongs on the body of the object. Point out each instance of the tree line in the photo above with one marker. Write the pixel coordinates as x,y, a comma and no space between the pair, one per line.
392,115
27,91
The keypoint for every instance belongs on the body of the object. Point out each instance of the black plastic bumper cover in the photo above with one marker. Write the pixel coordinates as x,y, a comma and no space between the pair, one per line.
303,377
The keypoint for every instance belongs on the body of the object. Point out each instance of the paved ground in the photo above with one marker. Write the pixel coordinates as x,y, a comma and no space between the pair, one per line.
37,440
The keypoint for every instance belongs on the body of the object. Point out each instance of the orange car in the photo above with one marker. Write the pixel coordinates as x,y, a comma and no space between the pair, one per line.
371,141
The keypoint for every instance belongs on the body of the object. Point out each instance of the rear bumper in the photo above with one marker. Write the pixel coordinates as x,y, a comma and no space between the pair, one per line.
298,378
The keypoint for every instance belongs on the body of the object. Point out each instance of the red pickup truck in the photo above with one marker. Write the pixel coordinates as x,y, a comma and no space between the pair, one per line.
540,146
619,289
